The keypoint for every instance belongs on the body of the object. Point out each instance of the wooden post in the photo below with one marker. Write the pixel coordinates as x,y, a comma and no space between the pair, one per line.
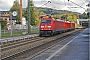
20,9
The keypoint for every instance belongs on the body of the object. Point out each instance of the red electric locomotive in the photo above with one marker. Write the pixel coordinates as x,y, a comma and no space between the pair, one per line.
51,26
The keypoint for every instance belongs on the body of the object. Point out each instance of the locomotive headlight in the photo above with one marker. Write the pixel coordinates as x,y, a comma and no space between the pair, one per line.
42,26
49,26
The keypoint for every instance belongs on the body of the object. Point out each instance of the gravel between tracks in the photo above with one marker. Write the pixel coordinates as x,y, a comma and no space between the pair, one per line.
24,46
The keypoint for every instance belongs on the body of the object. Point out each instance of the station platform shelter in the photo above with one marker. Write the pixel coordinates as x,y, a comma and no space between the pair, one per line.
83,22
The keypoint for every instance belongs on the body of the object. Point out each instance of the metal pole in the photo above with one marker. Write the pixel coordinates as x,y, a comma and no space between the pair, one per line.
11,24
0,30
0,39
29,30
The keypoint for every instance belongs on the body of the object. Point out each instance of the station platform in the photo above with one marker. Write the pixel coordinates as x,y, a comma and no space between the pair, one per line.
74,48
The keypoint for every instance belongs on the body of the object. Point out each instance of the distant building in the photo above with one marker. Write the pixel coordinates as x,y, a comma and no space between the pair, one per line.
6,16
4,12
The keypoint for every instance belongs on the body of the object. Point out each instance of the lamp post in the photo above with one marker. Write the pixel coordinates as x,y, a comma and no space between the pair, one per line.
0,36
0,29
10,24
29,29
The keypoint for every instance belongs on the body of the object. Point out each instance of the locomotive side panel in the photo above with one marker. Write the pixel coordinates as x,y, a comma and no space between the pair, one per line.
65,26
59,26
68,26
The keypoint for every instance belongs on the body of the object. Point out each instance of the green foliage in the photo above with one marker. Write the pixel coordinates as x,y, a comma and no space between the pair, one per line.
72,17
33,14
64,16
56,16
41,13
84,15
16,7
6,35
37,22
3,25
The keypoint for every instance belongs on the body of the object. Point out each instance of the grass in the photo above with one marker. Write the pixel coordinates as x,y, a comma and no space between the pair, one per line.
34,31
6,35
13,34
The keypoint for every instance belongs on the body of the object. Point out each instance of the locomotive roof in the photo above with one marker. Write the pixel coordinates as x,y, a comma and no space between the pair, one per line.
68,21
57,20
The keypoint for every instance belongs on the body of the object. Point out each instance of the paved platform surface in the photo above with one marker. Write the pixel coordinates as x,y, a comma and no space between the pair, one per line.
74,48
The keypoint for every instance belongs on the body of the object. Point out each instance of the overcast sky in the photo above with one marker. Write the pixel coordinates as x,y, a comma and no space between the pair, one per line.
55,4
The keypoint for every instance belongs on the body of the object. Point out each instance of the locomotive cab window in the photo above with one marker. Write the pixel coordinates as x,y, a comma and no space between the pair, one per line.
46,21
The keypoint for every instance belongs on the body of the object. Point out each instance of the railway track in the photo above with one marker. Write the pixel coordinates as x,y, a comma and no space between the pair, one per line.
30,46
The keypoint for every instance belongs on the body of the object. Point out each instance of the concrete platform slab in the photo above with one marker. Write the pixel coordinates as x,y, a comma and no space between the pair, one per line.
75,48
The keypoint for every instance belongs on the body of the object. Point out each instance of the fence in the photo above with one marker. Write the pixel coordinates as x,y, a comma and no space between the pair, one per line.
19,30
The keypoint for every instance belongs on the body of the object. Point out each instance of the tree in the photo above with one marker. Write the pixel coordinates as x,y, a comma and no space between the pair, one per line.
64,16
41,13
33,14
84,15
72,17
56,16
16,7
3,24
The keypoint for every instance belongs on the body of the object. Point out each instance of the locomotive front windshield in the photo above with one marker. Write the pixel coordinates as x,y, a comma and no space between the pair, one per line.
46,21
